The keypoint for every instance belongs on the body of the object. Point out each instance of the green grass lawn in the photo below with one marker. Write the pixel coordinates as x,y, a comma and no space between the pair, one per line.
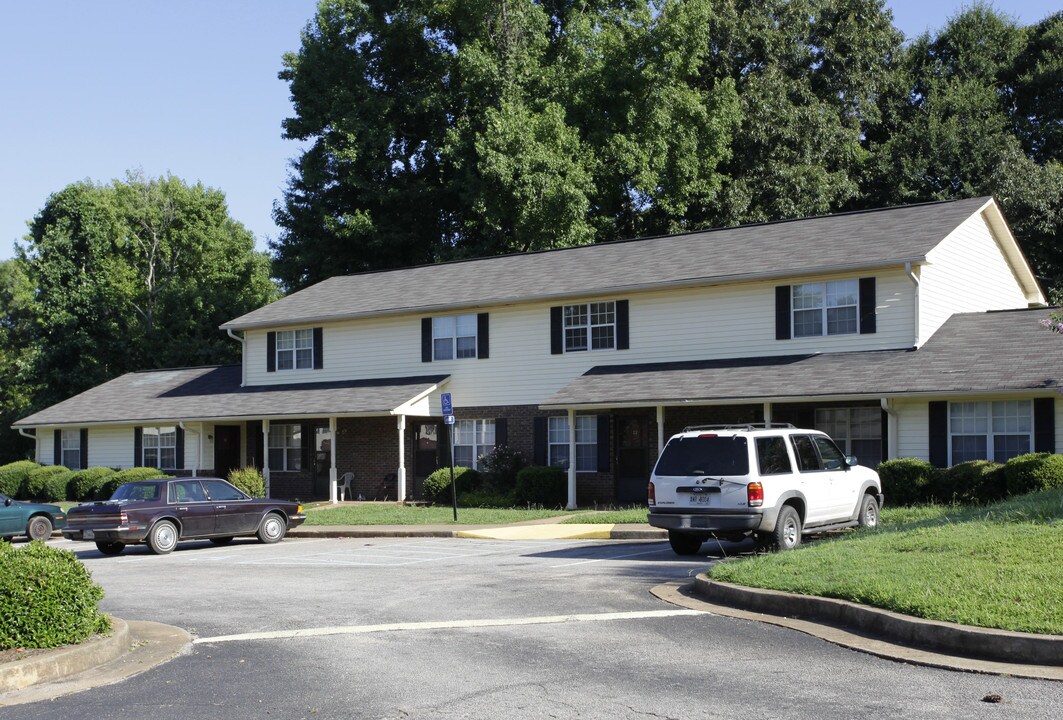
997,566
389,514
609,517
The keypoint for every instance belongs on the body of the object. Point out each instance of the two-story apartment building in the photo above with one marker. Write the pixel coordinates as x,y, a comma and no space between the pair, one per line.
903,332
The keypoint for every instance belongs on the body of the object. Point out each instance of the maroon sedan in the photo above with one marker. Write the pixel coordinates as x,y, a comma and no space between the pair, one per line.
162,512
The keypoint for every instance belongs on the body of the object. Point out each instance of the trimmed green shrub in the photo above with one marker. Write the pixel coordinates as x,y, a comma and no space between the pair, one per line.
249,480
500,467
437,485
56,487
907,481
485,499
1033,472
130,475
47,598
972,481
539,485
13,477
36,487
86,484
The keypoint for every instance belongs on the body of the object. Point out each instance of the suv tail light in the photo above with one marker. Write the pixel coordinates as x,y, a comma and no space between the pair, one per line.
755,494
651,498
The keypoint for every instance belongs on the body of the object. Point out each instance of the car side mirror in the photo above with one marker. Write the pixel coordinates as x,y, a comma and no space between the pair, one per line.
850,461
7,502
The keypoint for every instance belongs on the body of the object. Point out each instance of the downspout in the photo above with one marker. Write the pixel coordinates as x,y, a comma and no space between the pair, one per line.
199,445
32,436
243,349
891,429
915,305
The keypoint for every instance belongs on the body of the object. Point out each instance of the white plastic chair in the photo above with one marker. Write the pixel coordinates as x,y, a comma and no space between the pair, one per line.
344,485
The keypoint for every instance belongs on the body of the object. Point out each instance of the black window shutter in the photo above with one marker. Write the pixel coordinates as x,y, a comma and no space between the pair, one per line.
483,341
603,443
254,444
539,440
179,451
83,461
939,433
271,352
1044,425
57,450
557,333
501,432
319,348
622,325
867,305
782,312
444,446
426,339
138,446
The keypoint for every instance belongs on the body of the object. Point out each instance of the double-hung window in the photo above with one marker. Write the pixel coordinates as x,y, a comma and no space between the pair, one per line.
590,326
71,447
826,308
586,442
453,337
857,430
472,440
160,447
998,430
295,349
285,447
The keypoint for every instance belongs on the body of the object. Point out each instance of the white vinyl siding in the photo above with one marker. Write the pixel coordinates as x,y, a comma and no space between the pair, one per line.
966,272
112,446
586,442
472,439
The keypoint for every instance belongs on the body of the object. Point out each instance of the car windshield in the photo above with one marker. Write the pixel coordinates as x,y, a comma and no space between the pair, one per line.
704,455
137,491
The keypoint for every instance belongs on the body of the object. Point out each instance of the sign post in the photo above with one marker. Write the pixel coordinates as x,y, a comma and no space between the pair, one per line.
447,403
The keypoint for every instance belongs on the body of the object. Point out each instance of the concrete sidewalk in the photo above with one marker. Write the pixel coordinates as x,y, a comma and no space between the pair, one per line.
545,529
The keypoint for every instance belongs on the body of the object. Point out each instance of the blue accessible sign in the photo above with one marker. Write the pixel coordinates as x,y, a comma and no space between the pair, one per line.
447,402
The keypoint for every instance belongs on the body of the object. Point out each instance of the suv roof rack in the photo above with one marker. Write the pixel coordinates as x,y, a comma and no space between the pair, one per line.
739,426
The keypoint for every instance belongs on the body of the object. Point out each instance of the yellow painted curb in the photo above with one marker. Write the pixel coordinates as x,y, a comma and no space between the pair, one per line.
541,532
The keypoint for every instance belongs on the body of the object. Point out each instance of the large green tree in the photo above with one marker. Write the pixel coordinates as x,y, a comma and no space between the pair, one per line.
471,127
135,274
16,328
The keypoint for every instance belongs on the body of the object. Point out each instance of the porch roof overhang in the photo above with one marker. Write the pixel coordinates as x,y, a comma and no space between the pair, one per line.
214,394
973,355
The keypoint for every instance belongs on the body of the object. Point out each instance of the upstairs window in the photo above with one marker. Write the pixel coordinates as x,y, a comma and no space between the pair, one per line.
590,326
828,308
454,337
295,349
160,447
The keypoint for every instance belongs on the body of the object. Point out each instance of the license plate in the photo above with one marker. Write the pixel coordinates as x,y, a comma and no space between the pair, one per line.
702,499
88,534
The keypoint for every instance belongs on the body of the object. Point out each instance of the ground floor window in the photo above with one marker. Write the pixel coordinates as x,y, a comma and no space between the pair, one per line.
160,447
71,441
472,440
586,442
856,430
997,430
285,447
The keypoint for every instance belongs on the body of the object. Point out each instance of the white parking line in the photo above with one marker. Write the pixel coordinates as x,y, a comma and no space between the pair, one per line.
449,625
658,551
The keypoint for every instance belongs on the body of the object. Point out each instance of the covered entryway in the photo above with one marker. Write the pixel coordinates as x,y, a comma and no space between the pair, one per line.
226,449
427,457
636,451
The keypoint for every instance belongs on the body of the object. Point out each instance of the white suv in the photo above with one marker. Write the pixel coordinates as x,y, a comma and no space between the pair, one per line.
771,481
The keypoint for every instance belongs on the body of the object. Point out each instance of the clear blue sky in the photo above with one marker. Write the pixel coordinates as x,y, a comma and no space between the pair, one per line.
94,88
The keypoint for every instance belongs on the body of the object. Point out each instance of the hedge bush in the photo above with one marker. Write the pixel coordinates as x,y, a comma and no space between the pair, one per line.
56,488
907,481
86,484
972,481
1033,472
249,480
131,475
437,485
13,477
36,487
485,499
546,486
500,468
47,598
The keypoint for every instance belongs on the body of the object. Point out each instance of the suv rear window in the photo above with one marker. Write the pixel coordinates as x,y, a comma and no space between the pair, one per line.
704,456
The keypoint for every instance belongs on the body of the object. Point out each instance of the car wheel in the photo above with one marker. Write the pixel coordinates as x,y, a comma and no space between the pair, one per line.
868,517
163,537
272,529
222,540
787,532
684,543
39,528
110,548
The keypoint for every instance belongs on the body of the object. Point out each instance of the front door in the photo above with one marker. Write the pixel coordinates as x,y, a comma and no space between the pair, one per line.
226,449
426,458
635,457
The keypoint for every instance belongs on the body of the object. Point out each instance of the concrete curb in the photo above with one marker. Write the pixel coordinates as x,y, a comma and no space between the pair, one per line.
940,637
495,532
65,661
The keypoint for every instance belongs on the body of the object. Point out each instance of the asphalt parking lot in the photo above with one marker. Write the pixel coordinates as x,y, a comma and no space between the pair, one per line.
448,628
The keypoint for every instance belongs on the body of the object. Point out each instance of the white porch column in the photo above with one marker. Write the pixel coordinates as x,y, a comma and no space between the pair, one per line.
892,449
571,460
202,442
401,474
767,413
660,430
265,453
332,478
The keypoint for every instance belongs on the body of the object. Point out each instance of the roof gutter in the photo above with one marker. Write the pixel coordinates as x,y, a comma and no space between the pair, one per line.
915,307
243,350
26,433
